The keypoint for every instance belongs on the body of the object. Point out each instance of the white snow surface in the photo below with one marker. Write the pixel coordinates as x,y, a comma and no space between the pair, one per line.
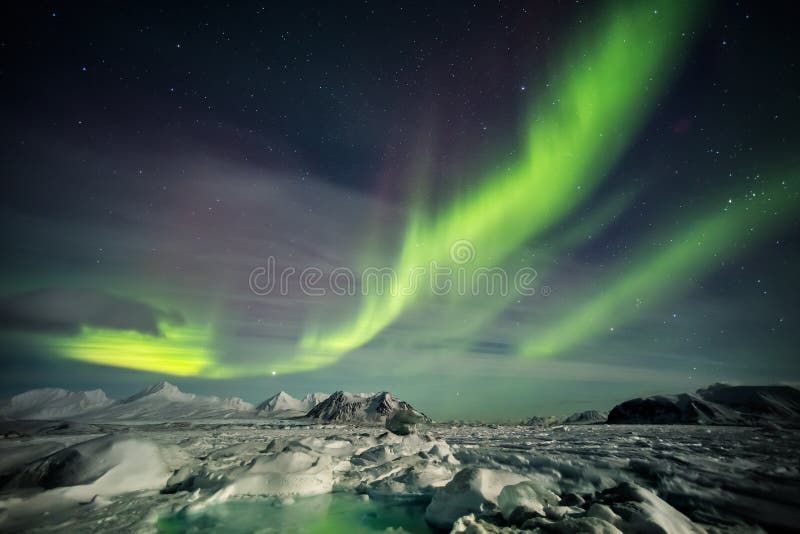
472,490
89,472
584,478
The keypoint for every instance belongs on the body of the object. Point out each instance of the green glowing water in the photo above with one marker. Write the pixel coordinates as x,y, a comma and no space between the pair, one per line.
331,513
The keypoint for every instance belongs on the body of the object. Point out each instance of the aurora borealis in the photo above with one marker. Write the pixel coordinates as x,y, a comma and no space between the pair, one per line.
637,158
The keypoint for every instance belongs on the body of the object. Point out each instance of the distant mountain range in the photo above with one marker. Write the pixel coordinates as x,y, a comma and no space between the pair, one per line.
719,404
589,417
285,404
162,401
53,403
165,402
586,418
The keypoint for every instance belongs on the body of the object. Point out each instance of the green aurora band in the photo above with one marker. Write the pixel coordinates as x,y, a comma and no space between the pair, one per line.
179,350
608,83
720,233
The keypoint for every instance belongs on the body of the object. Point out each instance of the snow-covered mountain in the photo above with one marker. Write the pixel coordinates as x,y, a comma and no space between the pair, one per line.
312,399
760,401
541,421
719,404
53,403
281,402
285,405
578,418
586,418
684,408
164,401
349,407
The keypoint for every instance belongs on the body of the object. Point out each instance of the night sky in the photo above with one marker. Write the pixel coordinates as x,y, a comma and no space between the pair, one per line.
639,160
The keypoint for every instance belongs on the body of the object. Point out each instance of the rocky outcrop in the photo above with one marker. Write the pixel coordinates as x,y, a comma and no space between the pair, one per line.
349,407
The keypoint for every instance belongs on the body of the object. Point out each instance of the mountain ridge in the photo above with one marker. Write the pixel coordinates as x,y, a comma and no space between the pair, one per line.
165,401
284,403
349,407
717,404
